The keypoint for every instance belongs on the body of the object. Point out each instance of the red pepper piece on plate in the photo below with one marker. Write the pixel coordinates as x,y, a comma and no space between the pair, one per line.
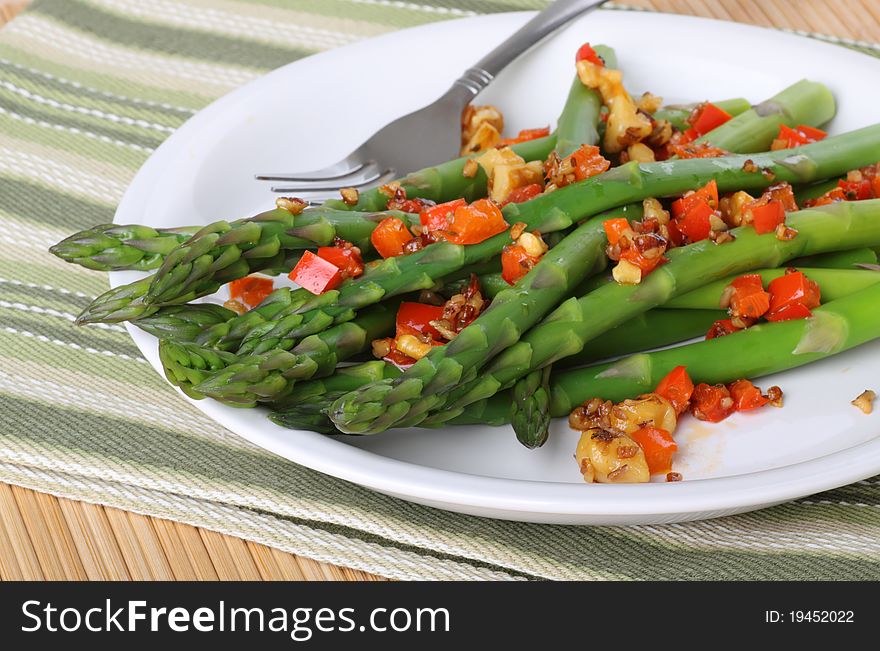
658,447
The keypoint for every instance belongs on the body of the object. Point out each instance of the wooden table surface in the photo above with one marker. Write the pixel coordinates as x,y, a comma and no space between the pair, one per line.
45,537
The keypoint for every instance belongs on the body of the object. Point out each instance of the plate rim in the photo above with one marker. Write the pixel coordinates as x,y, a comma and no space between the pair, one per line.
502,497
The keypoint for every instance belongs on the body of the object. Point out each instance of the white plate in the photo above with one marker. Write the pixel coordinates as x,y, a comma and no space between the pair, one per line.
312,112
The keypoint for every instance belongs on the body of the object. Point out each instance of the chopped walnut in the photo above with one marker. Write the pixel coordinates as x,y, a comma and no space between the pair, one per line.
381,347
470,169
293,205
506,178
785,233
350,196
609,457
533,244
749,167
673,476
626,125
236,306
732,208
661,134
865,401
653,210
460,310
640,153
412,346
768,174
774,395
481,128
391,189
649,103
516,230
626,273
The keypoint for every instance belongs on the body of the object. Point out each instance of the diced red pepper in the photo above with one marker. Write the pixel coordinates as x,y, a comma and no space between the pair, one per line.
389,237
614,228
658,446
712,403
677,387
676,237
251,290
519,195
749,300
694,223
587,53
516,263
765,218
857,190
747,396
748,281
694,150
438,218
684,137
647,265
782,192
347,258
790,313
813,134
707,194
722,328
793,288
316,274
588,161
525,135
415,318
832,196
475,223
707,118
800,135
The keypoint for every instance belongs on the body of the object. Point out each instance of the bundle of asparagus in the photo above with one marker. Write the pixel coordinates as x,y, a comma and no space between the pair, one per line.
552,314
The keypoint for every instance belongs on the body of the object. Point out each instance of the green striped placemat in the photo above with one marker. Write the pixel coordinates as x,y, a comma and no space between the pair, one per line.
88,88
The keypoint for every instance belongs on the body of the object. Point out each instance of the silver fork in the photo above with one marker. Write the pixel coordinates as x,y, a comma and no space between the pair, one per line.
427,136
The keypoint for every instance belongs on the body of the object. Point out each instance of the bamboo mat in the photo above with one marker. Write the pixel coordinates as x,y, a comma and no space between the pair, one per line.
44,537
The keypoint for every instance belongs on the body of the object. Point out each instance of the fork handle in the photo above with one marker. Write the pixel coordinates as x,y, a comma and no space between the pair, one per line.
546,22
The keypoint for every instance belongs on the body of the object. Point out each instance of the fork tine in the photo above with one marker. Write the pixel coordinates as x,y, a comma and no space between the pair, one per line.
374,179
328,173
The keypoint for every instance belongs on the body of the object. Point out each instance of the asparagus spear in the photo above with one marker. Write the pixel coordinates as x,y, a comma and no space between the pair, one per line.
805,102
760,350
840,260
302,408
530,408
111,247
270,376
834,283
221,252
576,321
184,322
186,364
114,247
